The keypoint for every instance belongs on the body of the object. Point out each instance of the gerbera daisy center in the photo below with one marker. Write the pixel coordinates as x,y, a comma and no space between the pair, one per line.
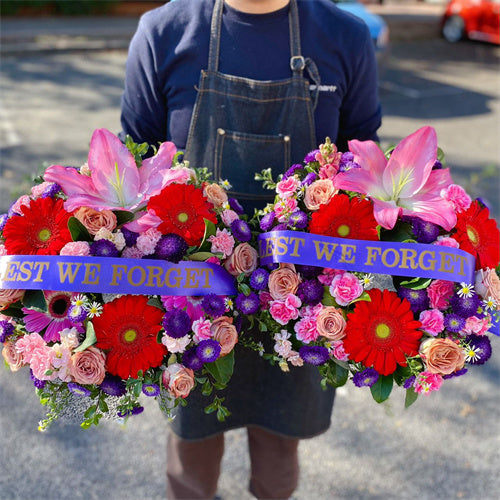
472,234
44,234
343,230
382,331
130,335
183,217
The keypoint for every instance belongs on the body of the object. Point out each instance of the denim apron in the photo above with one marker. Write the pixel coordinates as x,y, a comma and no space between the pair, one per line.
240,126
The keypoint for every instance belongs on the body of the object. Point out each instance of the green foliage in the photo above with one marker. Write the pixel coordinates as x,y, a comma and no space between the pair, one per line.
78,231
382,388
90,338
222,369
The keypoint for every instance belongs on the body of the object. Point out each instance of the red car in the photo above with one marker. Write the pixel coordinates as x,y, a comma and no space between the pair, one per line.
473,19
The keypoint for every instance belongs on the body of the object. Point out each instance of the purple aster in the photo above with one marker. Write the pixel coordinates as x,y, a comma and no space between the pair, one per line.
236,206
214,305
425,232
314,355
465,306
292,170
129,412
6,329
78,390
309,179
191,359
151,390
104,248
366,378
171,247
347,162
130,236
51,190
308,271
39,384
267,221
437,165
259,279
458,373
247,304
176,323
298,220
477,349
311,156
454,323
238,322
113,385
208,350
409,382
3,220
241,230
310,292
418,299
77,313
280,227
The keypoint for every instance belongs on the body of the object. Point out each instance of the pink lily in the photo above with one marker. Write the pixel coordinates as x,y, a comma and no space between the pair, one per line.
405,184
115,181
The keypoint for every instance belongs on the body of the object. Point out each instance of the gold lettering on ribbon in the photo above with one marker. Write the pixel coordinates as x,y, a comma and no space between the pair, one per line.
142,276
324,249
90,277
348,253
68,271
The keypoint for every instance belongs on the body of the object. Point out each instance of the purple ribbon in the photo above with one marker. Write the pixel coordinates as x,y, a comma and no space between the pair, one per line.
379,257
113,275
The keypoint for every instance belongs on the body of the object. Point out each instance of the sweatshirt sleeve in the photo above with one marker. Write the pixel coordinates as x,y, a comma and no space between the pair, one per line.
143,106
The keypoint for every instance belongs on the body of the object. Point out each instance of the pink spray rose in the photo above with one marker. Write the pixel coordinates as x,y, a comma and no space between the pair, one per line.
432,321
283,282
287,187
345,288
225,333
319,193
331,323
439,293
243,260
179,380
12,356
488,285
94,220
442,356
427,382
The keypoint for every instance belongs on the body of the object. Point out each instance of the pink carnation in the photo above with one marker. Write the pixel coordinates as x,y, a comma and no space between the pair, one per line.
327,276
284,208
39,189
132,253
432,321
306,329
457,196
201,329
338,351
476,325
29,344
345,288
80,248
439,293
222,242
146,242
427,382
283,312
287,187
228,217
41,365
446,241
23,201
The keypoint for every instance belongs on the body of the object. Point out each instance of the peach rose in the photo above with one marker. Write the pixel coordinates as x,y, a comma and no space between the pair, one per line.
319,193
94,220
331,323
225,333
8,297
88,366
283,282
243,260
442,356
215,194
488,284
179,380
13,358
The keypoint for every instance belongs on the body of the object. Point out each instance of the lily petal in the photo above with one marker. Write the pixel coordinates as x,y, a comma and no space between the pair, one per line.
369,156
386,213
145,221
431,208
154,170
70,180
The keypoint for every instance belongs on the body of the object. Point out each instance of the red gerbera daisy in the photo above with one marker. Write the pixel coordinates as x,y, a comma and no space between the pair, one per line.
477,234
381,333
128,329
42,229
182,208
345,218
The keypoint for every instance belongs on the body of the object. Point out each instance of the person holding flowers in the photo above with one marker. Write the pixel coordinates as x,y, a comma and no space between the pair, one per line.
241,85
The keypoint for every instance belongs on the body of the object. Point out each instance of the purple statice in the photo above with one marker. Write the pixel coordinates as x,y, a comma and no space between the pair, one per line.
208,350
151,390
113,385
191,359
314,354
454,323
477,349
39,384
311,156
310,292
309,179
298,220
437,165
78,390
241,230
51,190
366,378
418,299
6,330
347,162
176,323
214,305
235,205
458,373
247,304
171,247
308,272
280,227
130,412
267,221
3,220
424,231
465,306
291,171
104,248
259,279
409,382
130,236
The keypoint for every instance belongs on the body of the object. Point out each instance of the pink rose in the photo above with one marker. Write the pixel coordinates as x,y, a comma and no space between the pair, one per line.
215,194
243,260
179,380
225,333
287,187
457,196
446,241
284,311
88,366
222,242
81,248
432,321
439,293
345,288
282,282
94,220
319,193
12,356
331,323
202,329
479,326
442,356
306,329
8,297
488,285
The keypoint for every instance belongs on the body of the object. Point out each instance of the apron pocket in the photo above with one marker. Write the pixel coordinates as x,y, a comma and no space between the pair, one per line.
238,156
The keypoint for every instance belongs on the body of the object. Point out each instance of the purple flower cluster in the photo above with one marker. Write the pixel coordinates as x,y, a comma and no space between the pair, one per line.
213,305
176,323
171,247
104,248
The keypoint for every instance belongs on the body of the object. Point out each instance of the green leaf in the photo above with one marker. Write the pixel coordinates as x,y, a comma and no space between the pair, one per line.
90,412
201,256
222,368
155,302
35,299
78,231
245,289
103,406
328,299
381,390
411,397
90,338
416,283
123,216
